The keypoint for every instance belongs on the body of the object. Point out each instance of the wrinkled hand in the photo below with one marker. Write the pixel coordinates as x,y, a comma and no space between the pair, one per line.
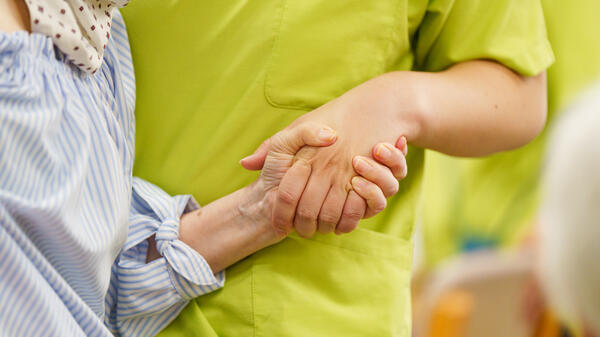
277,157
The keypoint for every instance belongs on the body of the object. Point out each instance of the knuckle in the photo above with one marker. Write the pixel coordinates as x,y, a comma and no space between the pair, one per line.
308,129
353,213
278,140
287,197
306,214
392,188
328,218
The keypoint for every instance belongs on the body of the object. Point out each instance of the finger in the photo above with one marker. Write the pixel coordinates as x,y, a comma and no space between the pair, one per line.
402,145
331,211
256,160
354,210
289,193
391,157
371,193
377,173
309,206
290,140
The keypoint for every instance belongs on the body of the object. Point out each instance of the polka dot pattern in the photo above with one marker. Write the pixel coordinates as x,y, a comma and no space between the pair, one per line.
79,28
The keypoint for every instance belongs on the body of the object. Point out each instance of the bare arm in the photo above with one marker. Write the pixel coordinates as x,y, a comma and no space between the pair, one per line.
472,109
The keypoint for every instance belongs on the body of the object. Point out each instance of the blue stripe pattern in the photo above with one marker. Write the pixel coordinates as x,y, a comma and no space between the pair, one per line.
74,223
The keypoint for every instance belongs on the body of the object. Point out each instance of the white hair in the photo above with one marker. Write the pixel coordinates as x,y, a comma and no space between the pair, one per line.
570,214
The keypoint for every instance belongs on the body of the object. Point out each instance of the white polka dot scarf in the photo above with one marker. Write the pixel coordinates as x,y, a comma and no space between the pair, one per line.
79,28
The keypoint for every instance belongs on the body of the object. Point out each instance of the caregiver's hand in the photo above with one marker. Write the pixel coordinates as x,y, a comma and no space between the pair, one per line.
378,179
394,160
362,117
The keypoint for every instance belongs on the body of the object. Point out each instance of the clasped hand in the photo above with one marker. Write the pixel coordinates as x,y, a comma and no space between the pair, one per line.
323,180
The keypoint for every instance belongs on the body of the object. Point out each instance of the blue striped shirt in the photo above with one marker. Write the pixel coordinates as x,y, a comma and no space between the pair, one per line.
74,223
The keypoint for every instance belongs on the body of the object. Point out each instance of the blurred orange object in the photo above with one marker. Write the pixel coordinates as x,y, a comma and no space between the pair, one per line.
548,326
451,314
479,294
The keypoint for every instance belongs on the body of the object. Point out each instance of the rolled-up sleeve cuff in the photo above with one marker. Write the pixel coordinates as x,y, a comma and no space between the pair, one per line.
188,287
154,212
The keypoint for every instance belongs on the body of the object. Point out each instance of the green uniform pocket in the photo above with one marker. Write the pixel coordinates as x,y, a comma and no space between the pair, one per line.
324,48
352,285
356,284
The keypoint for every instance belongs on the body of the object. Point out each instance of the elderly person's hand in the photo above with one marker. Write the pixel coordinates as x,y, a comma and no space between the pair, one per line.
241,223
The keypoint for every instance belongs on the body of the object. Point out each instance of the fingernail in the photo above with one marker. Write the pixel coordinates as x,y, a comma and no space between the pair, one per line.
326,135
360,164
402,144
383,151
358,183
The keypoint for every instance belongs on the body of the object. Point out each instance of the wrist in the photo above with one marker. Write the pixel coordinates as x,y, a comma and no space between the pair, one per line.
412,109
255,212
229,229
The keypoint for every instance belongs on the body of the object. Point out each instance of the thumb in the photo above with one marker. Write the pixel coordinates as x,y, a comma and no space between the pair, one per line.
290,140
256,160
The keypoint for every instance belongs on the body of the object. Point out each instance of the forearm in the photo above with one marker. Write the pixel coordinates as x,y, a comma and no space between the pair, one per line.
472,109
229,229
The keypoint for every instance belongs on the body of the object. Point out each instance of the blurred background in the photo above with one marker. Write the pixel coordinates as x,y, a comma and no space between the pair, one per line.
506,244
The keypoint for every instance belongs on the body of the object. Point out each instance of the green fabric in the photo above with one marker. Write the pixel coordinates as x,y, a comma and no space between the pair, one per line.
495,198
215,78
511,32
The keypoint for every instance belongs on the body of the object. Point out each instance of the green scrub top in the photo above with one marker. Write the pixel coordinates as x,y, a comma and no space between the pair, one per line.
493,201
215,78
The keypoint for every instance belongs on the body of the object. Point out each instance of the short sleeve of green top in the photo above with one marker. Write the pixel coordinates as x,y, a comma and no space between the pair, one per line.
511,32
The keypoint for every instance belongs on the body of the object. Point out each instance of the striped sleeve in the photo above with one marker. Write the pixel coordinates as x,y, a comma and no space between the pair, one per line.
144,297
